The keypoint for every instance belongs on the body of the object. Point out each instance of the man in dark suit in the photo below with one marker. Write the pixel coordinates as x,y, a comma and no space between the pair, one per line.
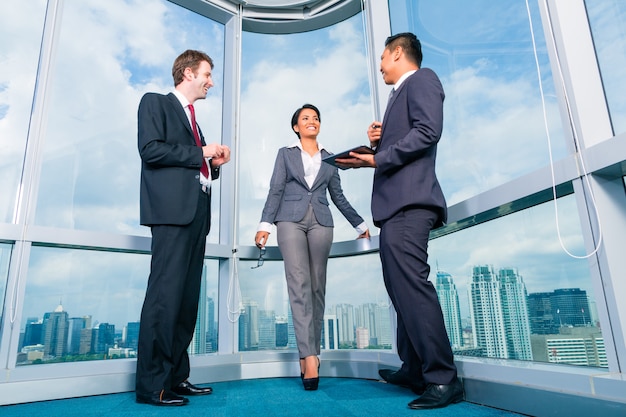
175,202
407,202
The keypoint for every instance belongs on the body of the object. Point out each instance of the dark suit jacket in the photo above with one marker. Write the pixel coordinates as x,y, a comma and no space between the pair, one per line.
405,156
171,161
289,196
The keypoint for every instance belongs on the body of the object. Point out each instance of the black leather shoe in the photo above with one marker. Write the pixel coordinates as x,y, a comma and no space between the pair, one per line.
401,379
162,397
437,396
187,388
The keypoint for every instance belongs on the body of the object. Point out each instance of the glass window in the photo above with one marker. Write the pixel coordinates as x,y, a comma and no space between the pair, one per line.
20,40
5,258
327,68
353,319
86,305
607,18
494,128
108,56
508,289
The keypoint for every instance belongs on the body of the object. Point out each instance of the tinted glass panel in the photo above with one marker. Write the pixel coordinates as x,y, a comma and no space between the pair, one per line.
108,56
21,27
494,129
606,18
509,290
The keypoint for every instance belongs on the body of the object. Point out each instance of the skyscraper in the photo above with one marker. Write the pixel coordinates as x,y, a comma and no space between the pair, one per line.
55,332
449,300
500,313
515,313
345,317
486,313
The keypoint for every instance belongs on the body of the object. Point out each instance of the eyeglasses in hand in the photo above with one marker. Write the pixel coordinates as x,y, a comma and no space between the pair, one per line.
260,260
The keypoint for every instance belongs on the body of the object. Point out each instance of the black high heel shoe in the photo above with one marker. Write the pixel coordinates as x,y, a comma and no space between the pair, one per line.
311,384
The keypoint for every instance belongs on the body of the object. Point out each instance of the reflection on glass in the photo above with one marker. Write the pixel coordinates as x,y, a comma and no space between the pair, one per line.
108,56
357,308
509,290
494,128
606,18
21,25
85,305
280,73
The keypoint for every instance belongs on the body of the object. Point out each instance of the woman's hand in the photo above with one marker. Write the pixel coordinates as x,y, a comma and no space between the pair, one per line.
261,239
364,235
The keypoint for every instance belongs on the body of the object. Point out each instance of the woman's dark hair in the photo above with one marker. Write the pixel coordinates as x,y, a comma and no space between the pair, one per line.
294,118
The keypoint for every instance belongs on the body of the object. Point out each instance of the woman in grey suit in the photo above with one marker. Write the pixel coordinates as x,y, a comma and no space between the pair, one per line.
297,204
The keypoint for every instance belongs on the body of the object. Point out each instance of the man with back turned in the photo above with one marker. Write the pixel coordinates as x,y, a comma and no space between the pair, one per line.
407,203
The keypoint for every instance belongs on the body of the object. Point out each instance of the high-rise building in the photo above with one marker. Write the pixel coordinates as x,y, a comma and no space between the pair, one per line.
282,332
75,326
564,307
330,332
249,326
103,338
55,332
500,313
540,315
515,313
33,333
132,335
267,330
486,313
384,333
570,307
198,341
345,317
362,338
211,336
449,300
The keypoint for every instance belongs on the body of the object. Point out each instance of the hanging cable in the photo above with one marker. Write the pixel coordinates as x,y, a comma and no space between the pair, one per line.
585,174
234,290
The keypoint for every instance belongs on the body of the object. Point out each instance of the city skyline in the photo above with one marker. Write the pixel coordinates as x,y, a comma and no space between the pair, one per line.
503,316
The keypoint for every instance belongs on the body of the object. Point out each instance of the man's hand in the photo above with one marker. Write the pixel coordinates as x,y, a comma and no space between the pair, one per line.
219,154
356,160
373,133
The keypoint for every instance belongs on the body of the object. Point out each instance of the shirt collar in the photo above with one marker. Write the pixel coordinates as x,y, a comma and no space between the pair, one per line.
402,78
299,145
183,100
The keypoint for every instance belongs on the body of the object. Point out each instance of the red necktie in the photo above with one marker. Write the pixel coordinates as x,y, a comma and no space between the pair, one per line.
205,169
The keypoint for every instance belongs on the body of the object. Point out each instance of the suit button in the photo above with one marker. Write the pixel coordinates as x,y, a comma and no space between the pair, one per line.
309,193
197,177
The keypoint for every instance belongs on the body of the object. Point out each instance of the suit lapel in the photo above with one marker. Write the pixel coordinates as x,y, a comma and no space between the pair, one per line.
180,112
392,100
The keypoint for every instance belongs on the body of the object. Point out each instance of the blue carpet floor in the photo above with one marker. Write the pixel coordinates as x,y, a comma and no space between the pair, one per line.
260,397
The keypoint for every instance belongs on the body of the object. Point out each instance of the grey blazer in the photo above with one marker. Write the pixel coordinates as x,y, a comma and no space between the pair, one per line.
289,195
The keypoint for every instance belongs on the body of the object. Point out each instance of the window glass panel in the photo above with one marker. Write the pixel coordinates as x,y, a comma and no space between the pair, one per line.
21,25
509,290
606,18
494,128
86,305
108,56
327,68
5,257
353,319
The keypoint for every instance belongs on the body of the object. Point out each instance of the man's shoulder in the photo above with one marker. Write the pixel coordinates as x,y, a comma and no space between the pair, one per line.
155,96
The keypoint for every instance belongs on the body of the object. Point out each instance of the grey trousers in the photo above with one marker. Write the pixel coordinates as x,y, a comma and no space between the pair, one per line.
305,247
